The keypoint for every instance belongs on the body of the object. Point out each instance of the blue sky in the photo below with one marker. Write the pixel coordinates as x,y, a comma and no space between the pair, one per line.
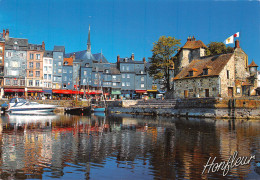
122,27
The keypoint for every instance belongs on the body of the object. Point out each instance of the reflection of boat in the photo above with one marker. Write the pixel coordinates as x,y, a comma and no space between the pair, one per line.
77,110
98,108
100,114
22,119
22,106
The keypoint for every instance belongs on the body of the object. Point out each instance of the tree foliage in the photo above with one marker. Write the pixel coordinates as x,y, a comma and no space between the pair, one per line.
162,59
218,48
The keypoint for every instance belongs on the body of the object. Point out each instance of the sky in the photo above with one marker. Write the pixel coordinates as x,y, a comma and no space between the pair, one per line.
123,27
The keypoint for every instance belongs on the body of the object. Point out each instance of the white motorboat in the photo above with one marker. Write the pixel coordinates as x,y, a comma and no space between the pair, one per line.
22,106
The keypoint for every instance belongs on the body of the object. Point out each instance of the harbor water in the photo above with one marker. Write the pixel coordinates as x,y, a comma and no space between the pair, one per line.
124,147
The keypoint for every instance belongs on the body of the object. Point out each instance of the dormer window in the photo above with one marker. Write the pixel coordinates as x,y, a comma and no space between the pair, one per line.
86,65
190,73
125,59
205,71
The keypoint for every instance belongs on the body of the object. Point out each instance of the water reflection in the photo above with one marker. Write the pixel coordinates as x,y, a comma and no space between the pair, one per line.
123,147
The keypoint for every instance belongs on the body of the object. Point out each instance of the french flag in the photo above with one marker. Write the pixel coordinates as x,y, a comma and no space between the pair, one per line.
236,35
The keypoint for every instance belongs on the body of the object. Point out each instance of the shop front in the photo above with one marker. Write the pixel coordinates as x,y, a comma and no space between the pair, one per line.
128,94
116,93
34,93
12,92
140,93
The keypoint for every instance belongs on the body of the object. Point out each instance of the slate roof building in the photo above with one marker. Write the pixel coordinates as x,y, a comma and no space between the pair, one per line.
47,72
15,65
2,57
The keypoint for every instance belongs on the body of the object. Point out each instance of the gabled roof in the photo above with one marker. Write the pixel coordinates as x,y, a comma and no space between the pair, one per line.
35,47
48,53
22,43
69,61
98,57
217,63
59,49
194,45
253,64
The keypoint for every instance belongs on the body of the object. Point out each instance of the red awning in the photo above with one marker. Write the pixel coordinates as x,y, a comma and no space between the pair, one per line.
140,91
59,91
107,94
13,90
77,92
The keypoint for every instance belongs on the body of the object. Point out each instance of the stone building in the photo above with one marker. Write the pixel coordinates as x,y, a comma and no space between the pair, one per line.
223,75
2,57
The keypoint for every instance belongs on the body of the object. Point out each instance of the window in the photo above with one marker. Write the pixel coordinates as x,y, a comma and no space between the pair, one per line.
45,84
22,82
205,71
1,49
15,64
127,68
49,85
6,64
85,73
37,83
142,78
37,65
50,61
59,71
84,81
45,68
65,78
106,71
142,72
59,63
31,73
123,83
70,71
123,75
30,82
45,76
15,82
113,77
37,73
30,65
31,55
38,56
238,90
21,55
64,70
142,85
59,57
49,76
127,83
227,74
128,75
54,86
7,82
190,73
114,84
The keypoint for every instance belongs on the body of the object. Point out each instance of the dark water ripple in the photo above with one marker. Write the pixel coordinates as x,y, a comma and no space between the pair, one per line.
124,147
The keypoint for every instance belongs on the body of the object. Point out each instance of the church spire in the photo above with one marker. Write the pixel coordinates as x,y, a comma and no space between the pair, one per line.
89,44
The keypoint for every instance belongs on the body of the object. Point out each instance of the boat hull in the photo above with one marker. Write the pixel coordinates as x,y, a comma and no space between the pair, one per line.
99,109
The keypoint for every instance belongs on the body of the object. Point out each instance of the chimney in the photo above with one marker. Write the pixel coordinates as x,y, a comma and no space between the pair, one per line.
144,60
7,35
132,56
237,44
193,38
43,45
118,58
3,33
74,56
188,39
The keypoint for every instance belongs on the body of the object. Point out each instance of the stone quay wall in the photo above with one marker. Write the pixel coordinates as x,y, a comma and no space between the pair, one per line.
238,108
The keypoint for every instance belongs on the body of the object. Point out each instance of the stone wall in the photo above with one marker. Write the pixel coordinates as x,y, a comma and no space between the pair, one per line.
196,87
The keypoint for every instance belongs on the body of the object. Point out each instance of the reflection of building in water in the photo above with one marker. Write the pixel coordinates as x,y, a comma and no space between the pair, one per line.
237,136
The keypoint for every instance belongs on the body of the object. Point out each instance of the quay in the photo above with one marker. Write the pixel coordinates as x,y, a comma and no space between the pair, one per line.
219,108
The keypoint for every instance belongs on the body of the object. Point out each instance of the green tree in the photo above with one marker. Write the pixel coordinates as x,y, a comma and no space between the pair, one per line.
162,59
218,48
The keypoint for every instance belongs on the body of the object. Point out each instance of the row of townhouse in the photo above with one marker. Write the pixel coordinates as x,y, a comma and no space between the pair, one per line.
30,70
